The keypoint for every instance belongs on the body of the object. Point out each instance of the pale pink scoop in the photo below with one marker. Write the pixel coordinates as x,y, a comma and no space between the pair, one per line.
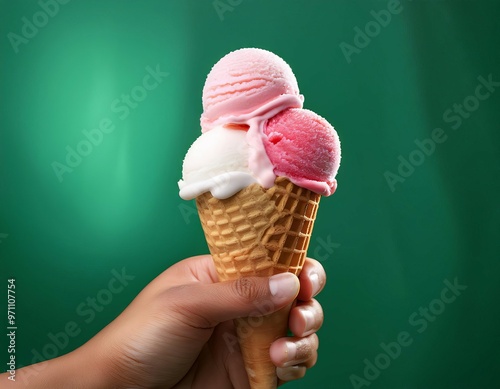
243,81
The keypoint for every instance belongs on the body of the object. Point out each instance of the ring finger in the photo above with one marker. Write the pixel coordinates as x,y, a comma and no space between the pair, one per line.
286,352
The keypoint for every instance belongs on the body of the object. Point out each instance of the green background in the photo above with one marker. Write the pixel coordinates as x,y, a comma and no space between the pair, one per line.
391,249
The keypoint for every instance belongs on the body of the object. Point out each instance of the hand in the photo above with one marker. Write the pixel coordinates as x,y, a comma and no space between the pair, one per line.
174,333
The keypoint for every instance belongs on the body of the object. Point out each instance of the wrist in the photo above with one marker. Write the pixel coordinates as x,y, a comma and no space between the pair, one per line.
76,369
86,368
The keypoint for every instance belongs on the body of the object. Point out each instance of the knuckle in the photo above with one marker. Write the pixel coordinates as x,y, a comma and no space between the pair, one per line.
169,300
314,341
306,347
247,289
312,361
318,314
179,309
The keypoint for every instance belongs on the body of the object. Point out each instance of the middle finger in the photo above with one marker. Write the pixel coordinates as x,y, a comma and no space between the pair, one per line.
306,318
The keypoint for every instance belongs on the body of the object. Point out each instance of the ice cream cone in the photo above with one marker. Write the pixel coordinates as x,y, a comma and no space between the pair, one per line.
259,232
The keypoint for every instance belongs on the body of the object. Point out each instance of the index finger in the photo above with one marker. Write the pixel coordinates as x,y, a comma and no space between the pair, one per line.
312,279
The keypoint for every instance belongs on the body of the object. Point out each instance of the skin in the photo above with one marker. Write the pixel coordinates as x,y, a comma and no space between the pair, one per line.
172,334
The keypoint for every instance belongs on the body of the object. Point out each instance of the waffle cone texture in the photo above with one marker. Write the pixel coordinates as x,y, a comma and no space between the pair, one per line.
259,232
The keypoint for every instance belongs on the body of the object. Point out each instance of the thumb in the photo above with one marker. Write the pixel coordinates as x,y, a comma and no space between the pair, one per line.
207,305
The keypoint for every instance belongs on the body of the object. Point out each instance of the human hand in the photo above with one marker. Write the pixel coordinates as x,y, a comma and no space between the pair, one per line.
174,333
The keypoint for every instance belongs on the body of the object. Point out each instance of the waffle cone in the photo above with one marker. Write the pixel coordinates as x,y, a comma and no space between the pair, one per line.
259,232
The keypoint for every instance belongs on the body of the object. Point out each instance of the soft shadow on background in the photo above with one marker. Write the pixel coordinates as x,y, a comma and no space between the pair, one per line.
415,212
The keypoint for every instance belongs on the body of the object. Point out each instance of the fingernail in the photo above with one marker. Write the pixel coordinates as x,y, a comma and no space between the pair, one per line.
291,373
309,318
284,286
290,353
315,283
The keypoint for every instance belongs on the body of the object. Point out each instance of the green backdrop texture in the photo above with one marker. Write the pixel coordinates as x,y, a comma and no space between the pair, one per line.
410,240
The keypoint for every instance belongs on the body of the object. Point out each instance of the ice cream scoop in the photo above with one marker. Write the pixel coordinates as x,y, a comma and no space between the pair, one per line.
216,162
244,80
305,148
